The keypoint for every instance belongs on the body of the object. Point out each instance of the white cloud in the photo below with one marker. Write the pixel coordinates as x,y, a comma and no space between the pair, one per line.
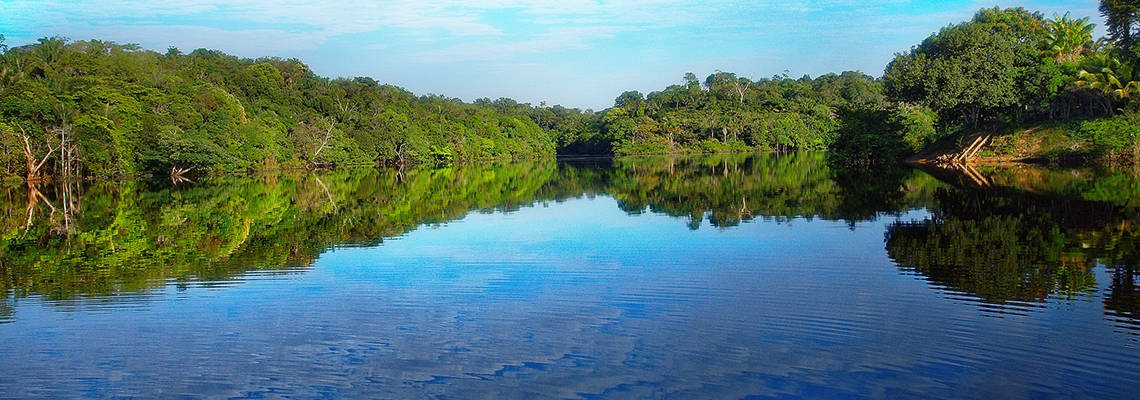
304,24
433,21
249,42
558,39
398,39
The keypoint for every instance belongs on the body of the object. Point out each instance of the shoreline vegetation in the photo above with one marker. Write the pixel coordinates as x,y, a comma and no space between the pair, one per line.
1009,85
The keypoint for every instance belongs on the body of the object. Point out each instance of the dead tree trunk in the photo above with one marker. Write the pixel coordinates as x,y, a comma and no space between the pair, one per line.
34,198
325,142
33,167
177,175
327,192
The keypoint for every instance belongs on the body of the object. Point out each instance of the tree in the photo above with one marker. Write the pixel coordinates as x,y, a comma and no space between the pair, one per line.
48,51
1107,76
1123,20
630,100
33,161
972,69
1068,38
691,79
112,109
726,85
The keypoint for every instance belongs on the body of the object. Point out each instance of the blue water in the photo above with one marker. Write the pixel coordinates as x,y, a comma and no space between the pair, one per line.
576,298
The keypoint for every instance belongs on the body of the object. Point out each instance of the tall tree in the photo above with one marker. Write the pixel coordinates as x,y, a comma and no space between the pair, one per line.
972,69
1123,19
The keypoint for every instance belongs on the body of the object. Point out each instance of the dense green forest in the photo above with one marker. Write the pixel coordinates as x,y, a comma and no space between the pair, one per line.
100,108
94,108
1003,69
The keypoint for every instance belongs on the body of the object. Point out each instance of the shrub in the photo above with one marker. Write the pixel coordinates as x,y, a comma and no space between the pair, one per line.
915,125
1114,137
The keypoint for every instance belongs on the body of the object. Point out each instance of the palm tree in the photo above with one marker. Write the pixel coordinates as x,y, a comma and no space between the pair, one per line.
1111,78
1068,38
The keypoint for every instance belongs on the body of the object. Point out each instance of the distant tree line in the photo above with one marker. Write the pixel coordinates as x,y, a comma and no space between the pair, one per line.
1004,67
83,108
724,113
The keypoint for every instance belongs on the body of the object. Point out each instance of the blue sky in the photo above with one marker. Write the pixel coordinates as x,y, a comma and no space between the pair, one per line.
579,53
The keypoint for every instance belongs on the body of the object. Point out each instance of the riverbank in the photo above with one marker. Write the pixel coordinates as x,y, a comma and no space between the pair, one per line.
1098,142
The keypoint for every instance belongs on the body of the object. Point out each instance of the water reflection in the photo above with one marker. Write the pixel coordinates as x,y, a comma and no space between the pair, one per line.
730,189
126,237
671,277
1031,235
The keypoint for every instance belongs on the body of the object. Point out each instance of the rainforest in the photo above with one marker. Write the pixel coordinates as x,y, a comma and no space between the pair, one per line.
963,223
1040,88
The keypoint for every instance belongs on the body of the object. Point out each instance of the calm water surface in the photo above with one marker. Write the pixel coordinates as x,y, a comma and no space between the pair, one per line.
722,277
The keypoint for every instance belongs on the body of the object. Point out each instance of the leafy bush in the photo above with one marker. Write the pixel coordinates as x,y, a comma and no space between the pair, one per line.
916,125
648,146
870,135
1115,137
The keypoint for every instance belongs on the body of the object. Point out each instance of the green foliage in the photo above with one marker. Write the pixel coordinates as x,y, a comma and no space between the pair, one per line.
1004,68
646,146
120,110
971,70
1115,81
727,114
872,135
264,81
1122,17
710,146
1068,39
916,125
1118,136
